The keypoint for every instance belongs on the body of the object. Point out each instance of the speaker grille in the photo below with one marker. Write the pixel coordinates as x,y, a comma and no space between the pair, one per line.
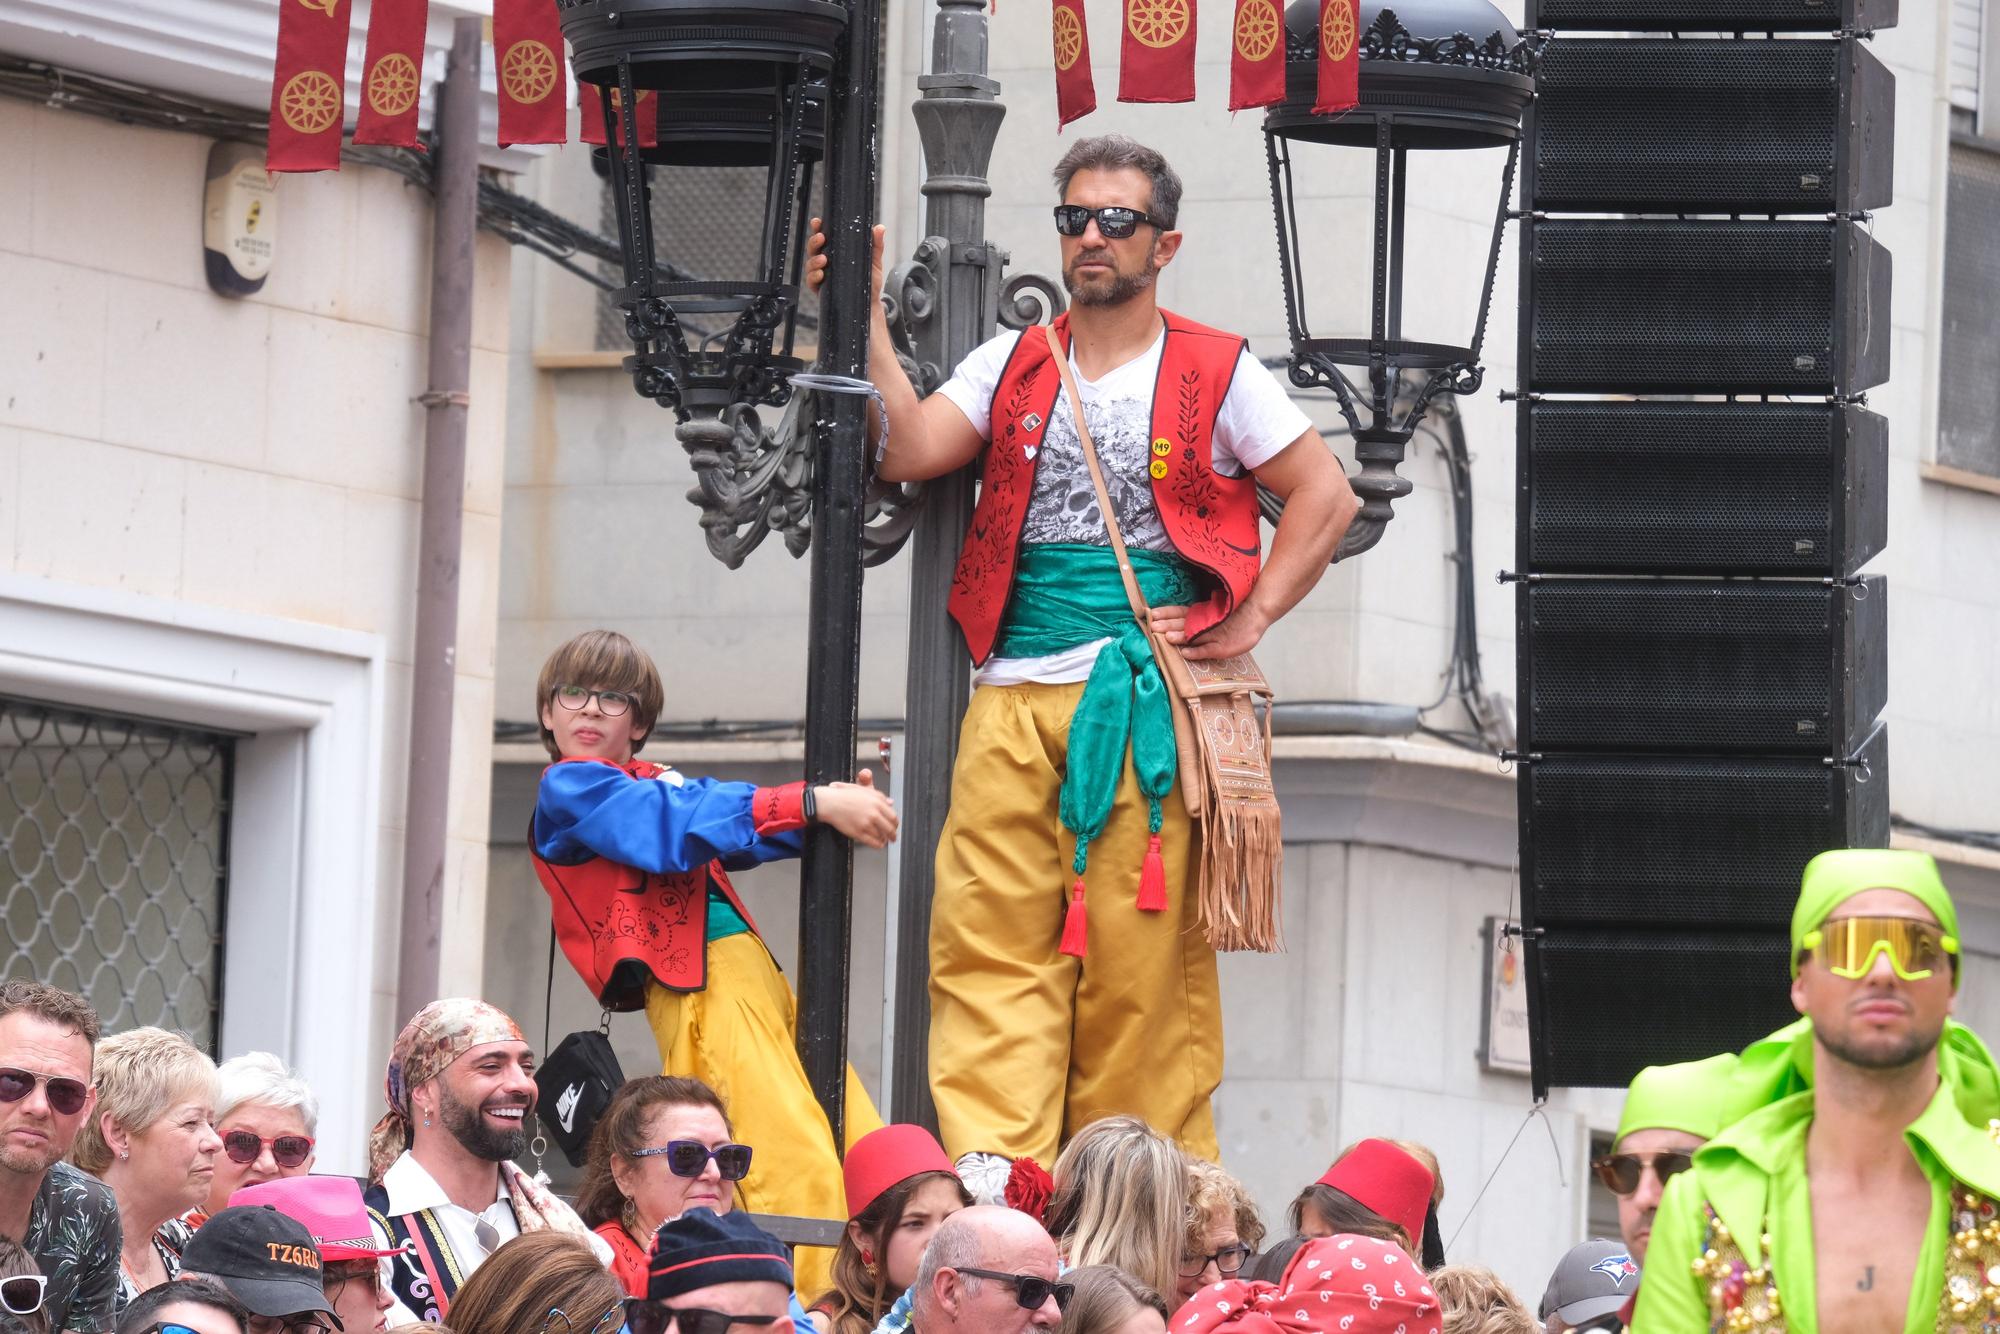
1614,1002
1683,307
1712,15
1654,125
1689,666
1689,488
1628,841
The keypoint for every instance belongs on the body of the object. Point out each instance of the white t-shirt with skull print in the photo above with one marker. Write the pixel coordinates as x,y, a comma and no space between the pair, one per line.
1257,420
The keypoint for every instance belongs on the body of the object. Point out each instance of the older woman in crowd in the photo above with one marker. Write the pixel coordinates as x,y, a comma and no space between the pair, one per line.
1121,1199
664,1146
267,1117
1223,1229
152,1140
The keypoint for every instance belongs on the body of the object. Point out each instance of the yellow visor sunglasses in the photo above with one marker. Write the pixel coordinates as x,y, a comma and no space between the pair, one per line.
1848,946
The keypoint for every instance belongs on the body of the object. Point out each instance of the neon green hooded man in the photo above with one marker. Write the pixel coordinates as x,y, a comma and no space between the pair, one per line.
1732,1245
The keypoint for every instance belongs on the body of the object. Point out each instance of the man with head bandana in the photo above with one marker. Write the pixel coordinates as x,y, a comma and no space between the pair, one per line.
1864,1201
443,1187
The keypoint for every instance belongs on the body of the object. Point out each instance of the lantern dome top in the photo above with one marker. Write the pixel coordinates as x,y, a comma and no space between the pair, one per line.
724,44
1444,73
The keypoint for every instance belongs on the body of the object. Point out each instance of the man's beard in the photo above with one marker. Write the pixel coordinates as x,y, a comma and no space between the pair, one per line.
29,1162
1906,1051
468,1125
1118,290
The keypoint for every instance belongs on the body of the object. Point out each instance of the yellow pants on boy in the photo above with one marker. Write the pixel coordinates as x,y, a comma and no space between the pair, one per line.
738,1036
1028,1045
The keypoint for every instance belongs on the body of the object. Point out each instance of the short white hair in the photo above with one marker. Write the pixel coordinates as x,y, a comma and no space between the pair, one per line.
259,1077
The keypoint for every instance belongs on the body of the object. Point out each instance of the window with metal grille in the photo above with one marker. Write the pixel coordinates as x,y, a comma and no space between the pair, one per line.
1969,343
114,840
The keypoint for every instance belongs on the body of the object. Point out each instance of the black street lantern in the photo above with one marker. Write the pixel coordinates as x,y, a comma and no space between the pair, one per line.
1427,81
739,84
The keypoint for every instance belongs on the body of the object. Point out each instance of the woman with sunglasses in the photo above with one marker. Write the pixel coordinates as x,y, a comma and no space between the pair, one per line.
267,1117
152,1140
539,1283
664,1146
22,1289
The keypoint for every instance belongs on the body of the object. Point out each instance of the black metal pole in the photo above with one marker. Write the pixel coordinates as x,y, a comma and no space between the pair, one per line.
958,115
833,653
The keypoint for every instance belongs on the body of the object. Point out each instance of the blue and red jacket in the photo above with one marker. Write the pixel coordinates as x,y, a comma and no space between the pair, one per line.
630,854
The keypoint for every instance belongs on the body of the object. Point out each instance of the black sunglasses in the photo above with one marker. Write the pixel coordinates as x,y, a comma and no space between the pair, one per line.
66,1096
1030,1291
688,1158
1115,221
1228,1260
1620,1172
643,1316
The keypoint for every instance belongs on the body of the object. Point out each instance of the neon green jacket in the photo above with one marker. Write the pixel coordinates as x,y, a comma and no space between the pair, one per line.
1753,1176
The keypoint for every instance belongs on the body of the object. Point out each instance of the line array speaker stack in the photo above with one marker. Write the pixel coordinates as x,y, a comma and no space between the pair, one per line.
1701,662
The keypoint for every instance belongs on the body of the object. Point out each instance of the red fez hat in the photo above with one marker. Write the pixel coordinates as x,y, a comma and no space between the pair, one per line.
886,1157
1384,1178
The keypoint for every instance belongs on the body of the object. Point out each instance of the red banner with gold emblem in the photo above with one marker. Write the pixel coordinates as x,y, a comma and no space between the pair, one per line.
1257,55
1076,93
1339,56
528,61
392,74
1156,57
308,86
648,116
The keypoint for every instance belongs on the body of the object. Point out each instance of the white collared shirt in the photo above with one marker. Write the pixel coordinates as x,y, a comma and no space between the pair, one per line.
471,1236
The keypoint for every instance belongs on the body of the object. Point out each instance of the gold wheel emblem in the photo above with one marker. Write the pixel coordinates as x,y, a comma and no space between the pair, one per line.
1337,30
1069,37
310,102
392,84
1257,29
1157,23
528,71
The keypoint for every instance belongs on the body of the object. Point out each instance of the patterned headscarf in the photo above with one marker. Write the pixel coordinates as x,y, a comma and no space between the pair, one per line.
440,1033
1350,1284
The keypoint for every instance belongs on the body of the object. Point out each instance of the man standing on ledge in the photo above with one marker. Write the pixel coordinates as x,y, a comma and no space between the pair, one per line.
1039,1026
1866,1202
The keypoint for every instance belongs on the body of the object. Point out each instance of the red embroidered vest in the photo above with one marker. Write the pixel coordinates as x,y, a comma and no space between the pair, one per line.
621,927
1211,519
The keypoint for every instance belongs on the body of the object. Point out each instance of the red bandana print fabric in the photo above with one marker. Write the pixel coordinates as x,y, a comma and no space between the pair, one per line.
1334,1285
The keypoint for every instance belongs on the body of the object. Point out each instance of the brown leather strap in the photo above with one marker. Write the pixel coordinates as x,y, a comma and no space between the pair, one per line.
1140,610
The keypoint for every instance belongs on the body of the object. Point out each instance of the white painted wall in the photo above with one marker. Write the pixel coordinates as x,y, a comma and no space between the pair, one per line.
257,460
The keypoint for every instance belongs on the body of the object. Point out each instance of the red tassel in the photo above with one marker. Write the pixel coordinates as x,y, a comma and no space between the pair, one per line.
1073,929
1153,879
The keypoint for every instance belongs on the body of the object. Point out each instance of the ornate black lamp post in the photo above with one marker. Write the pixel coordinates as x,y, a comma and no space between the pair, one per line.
1429,80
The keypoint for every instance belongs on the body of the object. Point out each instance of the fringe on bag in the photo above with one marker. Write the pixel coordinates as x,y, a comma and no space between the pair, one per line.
1240,874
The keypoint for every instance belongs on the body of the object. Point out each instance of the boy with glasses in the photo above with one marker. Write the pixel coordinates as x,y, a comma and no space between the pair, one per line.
636,862
66,1219
1865,1202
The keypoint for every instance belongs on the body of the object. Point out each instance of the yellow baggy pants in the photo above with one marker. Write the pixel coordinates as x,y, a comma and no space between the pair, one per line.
738,1037
1028,1045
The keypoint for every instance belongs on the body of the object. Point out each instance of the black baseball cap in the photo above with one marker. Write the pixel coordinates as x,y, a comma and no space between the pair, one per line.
266,1259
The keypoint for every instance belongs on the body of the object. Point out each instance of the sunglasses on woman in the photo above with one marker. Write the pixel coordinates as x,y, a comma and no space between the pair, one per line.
1620,1172
1030,1291
66,1096
689,1158
643,1316
22,1294
1114,221
243,1146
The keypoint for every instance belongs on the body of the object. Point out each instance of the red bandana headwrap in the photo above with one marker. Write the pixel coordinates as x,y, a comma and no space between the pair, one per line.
1334,1285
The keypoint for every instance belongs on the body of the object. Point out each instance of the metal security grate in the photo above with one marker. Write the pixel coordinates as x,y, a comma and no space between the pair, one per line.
1968,393
114,839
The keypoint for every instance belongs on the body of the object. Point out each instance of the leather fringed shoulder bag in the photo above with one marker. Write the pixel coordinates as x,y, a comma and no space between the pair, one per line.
1224,752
